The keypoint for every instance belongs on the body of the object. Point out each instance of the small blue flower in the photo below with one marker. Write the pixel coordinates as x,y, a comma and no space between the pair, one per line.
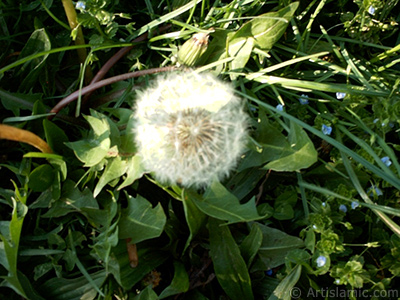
371,10
391,125
321,261
315,227
340,95
376,121
324,204
386,160
373,188
269,272
303,99
343,208
327,130
81,5
354,204
279,107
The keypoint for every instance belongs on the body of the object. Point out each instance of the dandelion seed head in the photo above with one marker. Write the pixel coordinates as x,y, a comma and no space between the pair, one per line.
190,128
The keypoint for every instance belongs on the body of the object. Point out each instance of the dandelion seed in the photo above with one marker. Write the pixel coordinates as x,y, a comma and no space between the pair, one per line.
354,204
190,128
303,99
371,10
343,208
279,107
321,261
386,160
340,95
327,130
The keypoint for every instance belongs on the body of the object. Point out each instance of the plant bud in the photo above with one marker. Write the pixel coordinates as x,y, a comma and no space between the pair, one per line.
191,51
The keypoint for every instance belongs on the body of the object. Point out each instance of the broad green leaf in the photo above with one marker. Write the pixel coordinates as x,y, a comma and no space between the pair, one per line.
128,140
115,168
72,200
241,51
120,267
285,289
216,50
12,282
55,136
283,207
179,284
265,29
242,183
10,235
146,294
29,72
139,221
229,266
134,171
73,289
113,128
94,149
41,178
303,156
219,203
195,218
17,101
274,145
251,244
275,246
108,236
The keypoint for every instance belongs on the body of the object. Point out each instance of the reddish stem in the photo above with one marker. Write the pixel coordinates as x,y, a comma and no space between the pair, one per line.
116,57
99,84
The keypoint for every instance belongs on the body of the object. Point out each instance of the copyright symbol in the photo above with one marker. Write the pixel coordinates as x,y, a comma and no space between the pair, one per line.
295,293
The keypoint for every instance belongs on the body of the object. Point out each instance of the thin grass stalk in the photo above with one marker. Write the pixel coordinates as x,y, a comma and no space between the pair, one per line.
80,40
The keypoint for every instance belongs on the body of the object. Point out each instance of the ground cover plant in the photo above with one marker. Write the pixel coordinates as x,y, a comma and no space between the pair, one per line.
199,149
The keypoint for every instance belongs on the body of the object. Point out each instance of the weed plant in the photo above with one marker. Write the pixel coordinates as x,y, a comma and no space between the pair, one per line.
307,206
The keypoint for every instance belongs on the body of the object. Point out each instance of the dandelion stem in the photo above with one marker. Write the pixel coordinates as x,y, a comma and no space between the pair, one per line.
116,57
105,82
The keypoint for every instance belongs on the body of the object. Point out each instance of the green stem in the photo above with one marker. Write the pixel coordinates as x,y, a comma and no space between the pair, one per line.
79,40
53,16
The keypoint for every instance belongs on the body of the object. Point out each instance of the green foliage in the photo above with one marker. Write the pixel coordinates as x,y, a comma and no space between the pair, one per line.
311,207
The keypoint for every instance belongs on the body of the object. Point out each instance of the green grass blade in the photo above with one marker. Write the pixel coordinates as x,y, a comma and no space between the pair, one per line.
353,177
164,18
321,190
377,171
